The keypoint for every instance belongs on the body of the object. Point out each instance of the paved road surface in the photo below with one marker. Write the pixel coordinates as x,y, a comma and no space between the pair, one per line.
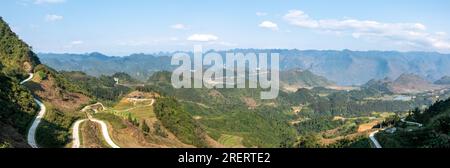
31,136
76,134
374,140
105,133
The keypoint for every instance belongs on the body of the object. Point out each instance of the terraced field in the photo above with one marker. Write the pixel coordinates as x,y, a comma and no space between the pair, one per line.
231,141
138,109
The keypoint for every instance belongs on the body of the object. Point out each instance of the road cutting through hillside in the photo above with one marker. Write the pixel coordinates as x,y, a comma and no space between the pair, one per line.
105,132
375,141
31,135
76,143
75,134
104,127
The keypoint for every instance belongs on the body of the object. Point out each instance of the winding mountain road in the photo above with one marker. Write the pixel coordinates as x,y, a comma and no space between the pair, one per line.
28,79
76,135
412,123
375,141
105,133
31,136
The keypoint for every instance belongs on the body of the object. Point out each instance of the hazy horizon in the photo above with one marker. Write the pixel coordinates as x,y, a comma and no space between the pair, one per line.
123,28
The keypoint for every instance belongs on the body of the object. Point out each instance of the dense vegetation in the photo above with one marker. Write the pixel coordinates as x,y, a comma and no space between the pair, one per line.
179,122
343,103
239,114
54,130
115,121
17,107
62,82
15,55
303,78
16,104
102,88
434,134
318,124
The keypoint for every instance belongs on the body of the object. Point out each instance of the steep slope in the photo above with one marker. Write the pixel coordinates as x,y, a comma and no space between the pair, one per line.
236,114
15,55
17,107
135,124
405,83
410,83
180,122
381,86
297,78
434,133
102,88
60,97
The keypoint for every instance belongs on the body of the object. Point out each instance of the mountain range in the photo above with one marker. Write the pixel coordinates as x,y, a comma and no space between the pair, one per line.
343,67
405,84
312,110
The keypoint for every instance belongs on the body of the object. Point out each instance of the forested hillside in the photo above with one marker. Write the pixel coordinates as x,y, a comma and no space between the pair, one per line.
16,56
344,67
17,107
435,132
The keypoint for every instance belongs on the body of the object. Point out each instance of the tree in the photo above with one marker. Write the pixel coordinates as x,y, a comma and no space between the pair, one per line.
417,116
42,75
144,127
129,118
391,120
308,141
159,130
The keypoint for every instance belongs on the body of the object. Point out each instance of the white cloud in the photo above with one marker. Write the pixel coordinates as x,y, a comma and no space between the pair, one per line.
173,39
413,34
261,14
77,42
227,44
49,1
202,37
269,25
52,18
441,33
299,18
74,43
179,26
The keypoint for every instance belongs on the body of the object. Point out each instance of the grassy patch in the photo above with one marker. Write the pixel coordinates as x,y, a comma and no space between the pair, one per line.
54,129
115,121
139,110
230,140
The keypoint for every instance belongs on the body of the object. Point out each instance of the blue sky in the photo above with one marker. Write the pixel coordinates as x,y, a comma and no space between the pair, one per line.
122,27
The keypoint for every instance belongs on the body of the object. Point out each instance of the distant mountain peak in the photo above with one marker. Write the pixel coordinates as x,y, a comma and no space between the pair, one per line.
445,80
410,78
298,78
